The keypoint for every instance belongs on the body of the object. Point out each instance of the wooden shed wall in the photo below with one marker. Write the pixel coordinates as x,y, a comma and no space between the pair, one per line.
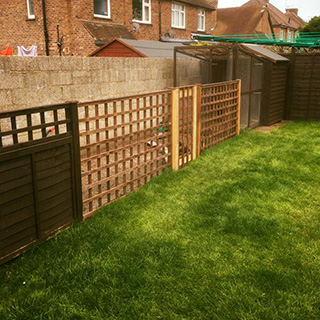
303,101
274,93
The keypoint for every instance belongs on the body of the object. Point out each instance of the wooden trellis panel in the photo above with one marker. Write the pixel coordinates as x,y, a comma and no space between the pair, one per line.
220,106
186,123
124,143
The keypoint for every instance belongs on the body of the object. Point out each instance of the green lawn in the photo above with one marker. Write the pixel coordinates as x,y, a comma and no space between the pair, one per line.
235,235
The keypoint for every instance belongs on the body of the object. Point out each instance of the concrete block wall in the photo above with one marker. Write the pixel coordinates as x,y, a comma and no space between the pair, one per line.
27,82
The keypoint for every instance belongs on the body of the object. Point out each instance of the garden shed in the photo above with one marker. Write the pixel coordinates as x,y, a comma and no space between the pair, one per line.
263,74
135,48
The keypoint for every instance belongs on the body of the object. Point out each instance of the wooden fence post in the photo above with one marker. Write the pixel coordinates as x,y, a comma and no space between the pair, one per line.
175,129
76,158
238,107
196,130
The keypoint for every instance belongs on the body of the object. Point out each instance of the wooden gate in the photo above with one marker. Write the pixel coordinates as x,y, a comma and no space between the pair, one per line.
40,185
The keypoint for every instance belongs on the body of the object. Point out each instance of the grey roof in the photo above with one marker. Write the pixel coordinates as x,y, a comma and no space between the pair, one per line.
153,49
265,53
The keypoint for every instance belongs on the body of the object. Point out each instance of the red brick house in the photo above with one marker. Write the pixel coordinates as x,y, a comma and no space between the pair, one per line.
80,24
258,17
243,20
284,25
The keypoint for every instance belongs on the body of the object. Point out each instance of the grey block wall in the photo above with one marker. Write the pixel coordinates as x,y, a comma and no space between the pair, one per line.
27,82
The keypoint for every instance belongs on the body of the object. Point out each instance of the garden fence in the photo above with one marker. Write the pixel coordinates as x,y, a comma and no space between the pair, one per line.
303,94
126,141
63,162
40,175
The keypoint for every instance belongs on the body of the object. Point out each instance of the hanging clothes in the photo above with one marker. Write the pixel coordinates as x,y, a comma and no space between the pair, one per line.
32,52
7,52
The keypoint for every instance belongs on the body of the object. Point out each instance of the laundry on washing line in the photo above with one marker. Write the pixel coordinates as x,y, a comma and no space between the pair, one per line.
7,52
31,52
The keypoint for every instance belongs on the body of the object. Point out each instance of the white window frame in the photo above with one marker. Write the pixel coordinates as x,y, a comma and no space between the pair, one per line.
108,16
281,34
289,35
145,7
30,16
201,19
181,11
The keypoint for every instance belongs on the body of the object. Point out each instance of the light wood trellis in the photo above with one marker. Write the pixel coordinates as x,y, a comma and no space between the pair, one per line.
219,112
124,142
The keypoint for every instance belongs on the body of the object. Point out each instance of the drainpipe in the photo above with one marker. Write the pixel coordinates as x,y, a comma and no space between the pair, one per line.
45,27
160,31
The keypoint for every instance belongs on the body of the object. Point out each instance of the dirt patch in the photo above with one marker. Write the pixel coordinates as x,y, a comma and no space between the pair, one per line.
268,129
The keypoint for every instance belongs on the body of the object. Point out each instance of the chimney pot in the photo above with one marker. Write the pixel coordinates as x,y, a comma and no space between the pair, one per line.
293,10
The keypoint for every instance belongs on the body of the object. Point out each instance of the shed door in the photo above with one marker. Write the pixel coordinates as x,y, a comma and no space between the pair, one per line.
250,71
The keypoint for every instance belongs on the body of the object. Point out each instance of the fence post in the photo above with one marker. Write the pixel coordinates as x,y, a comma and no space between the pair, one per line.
175,129
76,158
196,129
238,107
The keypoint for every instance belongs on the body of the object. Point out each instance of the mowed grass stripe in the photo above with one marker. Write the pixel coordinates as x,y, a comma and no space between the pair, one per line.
235,235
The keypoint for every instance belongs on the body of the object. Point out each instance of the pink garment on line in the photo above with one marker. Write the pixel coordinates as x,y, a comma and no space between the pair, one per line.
32,52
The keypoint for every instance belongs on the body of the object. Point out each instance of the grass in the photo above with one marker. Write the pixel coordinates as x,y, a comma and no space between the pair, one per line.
235,235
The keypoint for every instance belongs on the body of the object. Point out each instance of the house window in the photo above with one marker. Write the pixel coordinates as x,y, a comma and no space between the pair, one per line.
30,9
178,16
281,34
102,8
289,35
141,10
201,20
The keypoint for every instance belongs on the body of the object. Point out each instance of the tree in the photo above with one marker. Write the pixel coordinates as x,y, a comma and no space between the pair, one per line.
312,26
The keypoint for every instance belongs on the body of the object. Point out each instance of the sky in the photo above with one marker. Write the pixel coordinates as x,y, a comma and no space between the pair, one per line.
307,8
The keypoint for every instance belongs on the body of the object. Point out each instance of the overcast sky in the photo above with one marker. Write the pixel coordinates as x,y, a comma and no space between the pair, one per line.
307,8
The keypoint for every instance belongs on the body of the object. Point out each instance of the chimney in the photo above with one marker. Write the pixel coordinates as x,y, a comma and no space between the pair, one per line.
293,10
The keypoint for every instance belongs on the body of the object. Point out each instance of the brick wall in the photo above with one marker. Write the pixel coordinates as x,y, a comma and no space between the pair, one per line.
15,27
29,82
191,21
17,30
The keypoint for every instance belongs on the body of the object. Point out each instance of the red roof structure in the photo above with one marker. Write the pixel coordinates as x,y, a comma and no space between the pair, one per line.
105,31
294,19
278,18
117,48
242,20
207,4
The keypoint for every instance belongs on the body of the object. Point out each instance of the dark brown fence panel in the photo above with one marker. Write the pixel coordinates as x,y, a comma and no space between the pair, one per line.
40,176
274,93
124,143
303,100
219,112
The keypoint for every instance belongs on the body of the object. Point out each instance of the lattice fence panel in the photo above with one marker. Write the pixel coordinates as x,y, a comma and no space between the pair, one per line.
219,112
27,125
185,126
124,142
